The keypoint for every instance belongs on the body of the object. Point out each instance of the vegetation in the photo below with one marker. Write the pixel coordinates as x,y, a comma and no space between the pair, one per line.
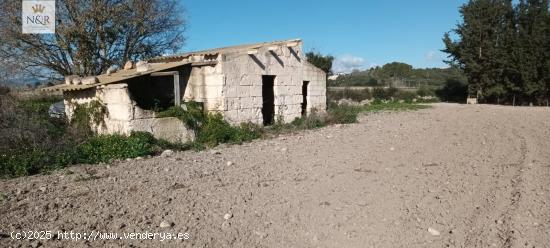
504,49
422,94
453,91
323,62
193,116
398,74
105,148
32,142
344,114
28,138
216,130
88,114
91,36
211,129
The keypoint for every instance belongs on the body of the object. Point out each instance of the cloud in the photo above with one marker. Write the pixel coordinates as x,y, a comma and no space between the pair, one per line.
347,63
432,56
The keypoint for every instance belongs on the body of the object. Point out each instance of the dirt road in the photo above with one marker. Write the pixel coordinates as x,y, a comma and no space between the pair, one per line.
479,176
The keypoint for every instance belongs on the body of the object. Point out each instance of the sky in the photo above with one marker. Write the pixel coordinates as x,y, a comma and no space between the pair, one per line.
358,33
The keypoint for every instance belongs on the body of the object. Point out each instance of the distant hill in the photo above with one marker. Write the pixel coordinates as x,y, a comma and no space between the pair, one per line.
398,74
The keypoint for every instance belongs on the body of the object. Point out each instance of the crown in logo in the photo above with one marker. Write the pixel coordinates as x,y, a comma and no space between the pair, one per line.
38,8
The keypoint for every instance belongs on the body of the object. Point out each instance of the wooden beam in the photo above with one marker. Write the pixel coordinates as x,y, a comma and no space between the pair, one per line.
177,100
204,63
292,44
162,74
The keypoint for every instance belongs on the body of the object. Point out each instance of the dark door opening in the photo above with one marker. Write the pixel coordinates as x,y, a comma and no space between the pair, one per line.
268,96
304,97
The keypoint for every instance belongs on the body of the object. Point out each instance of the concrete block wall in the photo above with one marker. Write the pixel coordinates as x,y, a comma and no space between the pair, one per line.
123,115
115,97
170,129
317,90
205,84
119,108
242,92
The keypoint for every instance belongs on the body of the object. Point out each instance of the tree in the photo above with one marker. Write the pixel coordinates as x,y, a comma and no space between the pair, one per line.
93,35
453,91
480,40
397,71
376,76
323,62
503,49
533,52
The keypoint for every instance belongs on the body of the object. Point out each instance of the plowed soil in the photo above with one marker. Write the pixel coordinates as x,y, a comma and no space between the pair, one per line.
448,176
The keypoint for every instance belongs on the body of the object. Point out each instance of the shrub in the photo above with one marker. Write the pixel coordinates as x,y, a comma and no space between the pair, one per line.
390,92
247,132
32,160
342,114
357,95
164,144
193,116
216,130
379,93
453,91
348,93
30,141
425,91
105,148
406,96
310,121
85,116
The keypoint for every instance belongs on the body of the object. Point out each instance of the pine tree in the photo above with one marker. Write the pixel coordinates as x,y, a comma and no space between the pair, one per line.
532,40
504,49
477,51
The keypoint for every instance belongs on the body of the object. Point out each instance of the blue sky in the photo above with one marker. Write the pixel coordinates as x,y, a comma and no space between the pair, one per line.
359,34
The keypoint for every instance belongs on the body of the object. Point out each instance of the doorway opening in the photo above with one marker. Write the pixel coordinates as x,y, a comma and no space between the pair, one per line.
268,97
305,85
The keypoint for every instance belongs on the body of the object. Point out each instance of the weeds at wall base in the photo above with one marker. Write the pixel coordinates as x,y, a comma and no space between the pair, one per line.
211,130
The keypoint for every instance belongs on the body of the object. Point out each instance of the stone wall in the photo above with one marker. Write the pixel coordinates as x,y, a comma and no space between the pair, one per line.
119,108
243,83
169,128
123,115
205,84
317,90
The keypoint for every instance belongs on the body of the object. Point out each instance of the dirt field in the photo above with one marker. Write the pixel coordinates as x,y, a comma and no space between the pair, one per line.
479,176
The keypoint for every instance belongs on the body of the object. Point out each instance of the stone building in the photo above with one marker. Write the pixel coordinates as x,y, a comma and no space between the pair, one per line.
258,83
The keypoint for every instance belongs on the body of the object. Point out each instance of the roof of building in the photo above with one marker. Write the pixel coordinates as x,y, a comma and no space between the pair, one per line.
122,75
167,62
225,49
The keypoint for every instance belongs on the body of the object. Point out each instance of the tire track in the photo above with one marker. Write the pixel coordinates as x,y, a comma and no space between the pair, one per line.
506,227
501,197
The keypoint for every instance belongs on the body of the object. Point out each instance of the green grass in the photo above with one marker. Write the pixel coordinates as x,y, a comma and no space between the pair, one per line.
345,114
393,106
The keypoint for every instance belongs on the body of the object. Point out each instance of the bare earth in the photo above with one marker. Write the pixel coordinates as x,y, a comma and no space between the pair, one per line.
478,175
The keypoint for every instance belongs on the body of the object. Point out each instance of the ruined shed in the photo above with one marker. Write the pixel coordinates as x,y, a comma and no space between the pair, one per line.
258,83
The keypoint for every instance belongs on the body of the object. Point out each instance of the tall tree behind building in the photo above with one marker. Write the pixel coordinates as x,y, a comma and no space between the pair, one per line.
92,35
323,62
503,49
